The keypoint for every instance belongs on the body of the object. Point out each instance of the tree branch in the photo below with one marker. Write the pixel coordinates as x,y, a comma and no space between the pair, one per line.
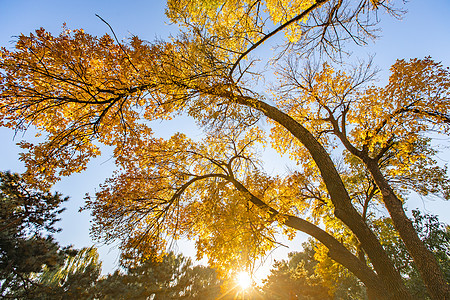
278,29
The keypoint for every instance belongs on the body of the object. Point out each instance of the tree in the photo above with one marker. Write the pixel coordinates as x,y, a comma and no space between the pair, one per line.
27,218
75,279
82,90
390,140
301,277
174,277
295,278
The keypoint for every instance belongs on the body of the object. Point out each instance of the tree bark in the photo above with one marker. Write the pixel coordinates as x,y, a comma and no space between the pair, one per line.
372,294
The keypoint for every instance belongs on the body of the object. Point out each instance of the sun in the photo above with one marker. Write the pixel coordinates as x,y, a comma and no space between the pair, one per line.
244,280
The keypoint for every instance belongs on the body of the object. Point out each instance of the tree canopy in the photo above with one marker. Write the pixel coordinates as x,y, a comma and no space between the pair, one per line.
174,277
83,91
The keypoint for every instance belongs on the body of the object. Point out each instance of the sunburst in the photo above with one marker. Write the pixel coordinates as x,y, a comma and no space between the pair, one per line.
244,280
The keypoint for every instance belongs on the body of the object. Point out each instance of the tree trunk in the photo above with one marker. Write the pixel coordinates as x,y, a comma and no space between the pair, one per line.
425,261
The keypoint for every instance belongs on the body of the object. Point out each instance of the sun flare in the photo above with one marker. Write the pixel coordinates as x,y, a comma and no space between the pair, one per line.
244,280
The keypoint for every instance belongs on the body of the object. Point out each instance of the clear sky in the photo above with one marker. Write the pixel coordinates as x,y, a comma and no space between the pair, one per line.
424,31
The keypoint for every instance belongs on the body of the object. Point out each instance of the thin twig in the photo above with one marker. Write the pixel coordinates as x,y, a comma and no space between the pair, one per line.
279,28
117,40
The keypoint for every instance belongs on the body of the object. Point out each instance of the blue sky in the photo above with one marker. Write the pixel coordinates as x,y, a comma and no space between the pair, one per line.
424,31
